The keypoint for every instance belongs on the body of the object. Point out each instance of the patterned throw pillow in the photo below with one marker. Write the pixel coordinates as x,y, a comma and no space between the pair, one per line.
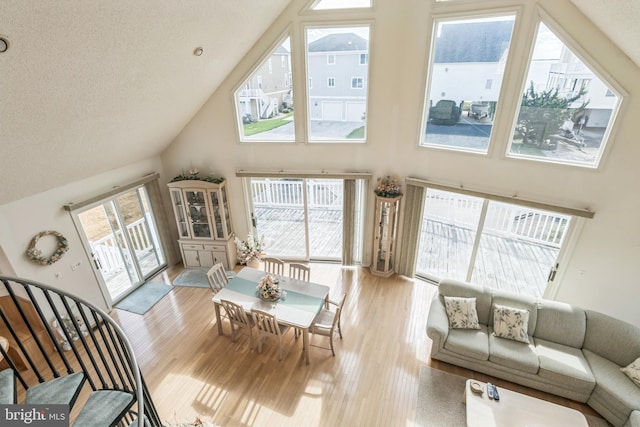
511,323
633,371
461,312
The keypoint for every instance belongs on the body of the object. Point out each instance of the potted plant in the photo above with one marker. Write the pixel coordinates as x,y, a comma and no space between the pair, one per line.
250,251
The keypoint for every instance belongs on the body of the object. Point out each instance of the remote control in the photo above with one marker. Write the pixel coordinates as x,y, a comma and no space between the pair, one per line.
490,391
496,396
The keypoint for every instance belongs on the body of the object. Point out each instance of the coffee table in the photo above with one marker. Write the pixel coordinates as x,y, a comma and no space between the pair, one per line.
516,409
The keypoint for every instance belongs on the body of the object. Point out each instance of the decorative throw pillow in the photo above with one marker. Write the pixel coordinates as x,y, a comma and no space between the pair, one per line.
461,312
511,323
633,371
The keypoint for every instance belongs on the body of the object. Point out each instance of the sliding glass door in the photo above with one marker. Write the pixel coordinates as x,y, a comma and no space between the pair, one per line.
499,245
300,218
123,241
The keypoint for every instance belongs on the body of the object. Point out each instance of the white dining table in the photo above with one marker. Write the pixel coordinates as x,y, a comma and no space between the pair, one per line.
297,309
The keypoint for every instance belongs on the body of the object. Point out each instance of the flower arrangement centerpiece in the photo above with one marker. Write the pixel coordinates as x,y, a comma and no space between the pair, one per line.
251,249
269,288
388,186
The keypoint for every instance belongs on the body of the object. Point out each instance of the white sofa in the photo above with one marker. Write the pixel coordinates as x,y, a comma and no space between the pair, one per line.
573,353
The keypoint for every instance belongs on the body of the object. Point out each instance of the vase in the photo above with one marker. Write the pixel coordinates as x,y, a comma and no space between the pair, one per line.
254,263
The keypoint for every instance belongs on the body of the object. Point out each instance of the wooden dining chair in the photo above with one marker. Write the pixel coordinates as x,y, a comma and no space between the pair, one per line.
327,322
273,265
217,277
238,319
299,271
267,326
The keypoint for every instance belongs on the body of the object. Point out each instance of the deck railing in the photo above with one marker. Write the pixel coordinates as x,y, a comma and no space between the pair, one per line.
52,335
107,249
321,193
502,219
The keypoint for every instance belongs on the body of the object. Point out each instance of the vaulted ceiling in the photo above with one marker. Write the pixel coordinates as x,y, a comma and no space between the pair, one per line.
87,87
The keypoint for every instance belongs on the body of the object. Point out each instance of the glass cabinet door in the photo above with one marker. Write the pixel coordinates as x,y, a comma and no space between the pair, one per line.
197,208
225,211
216,211
181,215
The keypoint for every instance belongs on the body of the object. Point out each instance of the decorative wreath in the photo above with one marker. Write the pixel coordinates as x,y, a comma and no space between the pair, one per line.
35,254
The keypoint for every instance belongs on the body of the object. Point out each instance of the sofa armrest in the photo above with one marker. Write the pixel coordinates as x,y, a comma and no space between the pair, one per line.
437,323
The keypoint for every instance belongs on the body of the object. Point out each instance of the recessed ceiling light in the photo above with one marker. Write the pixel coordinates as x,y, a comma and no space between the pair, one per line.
4,44
198,51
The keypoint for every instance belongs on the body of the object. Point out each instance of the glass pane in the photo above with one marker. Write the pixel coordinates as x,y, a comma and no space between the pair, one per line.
448,231
198,214
278,206
468,63
518,247
217,218
566,109
338,76
341,4
264,102
179,209
225,206
325,207
135,213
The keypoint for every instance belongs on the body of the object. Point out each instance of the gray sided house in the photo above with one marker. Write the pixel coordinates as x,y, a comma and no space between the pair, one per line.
338,77
268,90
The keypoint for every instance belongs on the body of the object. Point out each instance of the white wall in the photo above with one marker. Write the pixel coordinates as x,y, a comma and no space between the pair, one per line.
21,220
602,272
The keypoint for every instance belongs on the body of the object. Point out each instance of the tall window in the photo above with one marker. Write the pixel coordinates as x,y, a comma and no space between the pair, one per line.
339,114
566,112
467,65
331,82
264,102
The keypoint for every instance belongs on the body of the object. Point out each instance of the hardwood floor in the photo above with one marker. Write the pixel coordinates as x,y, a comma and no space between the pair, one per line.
372,380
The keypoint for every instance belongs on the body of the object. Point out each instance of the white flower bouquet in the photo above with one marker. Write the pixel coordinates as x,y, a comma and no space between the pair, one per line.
250,249
269,288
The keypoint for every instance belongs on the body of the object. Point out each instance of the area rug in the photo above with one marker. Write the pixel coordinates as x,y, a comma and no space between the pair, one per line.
145,297
440,400
192,277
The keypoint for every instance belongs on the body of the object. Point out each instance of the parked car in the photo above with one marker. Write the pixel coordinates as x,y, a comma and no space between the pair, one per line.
445,112
478,110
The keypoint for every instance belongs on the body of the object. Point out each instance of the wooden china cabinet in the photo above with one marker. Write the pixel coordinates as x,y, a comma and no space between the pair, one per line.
204,224
384,243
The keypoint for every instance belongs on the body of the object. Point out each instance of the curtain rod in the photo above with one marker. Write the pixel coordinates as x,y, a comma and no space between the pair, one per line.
242,173
116,190
583,213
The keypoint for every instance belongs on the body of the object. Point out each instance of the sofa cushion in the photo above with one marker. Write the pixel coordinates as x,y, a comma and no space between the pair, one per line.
564,365
513,354
511,323
560,323
455,288
611,338
522,302
613,386
634,419
472,343
461,312
633,371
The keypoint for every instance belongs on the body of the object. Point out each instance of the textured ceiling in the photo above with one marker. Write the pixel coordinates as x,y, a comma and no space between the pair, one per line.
89,86
619,20
86,87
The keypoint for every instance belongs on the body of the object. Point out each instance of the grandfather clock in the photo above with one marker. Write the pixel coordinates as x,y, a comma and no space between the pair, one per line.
384,244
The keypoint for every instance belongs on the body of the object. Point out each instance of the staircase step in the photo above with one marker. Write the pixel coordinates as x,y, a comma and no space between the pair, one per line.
7,387
58,391
104,408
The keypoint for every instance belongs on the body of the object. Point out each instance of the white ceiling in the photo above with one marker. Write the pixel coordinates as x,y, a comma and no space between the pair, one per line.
87,87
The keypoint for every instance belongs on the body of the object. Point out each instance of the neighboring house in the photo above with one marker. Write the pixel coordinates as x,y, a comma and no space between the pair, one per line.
337,69
469,63
269,87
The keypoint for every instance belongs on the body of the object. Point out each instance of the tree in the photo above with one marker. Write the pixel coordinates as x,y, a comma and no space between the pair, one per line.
542,113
